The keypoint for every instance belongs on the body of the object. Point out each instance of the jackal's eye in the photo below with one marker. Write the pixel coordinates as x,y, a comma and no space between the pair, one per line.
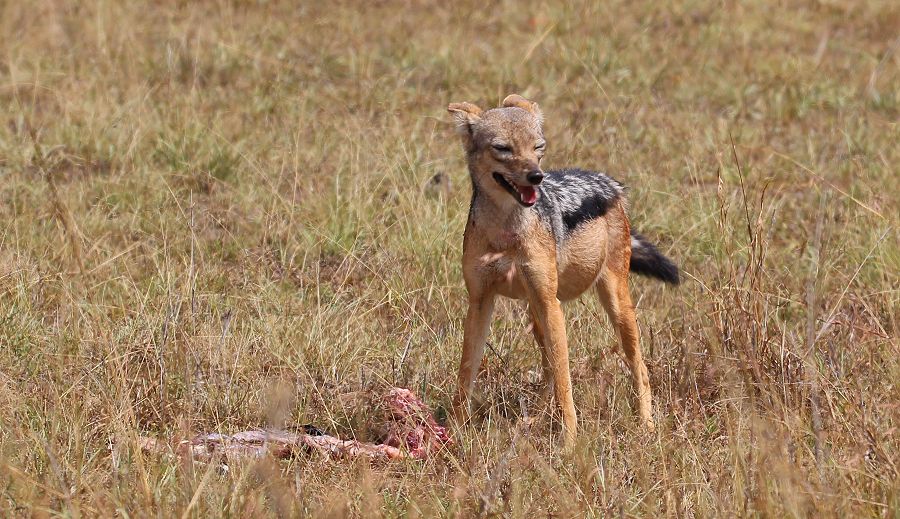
501,148
539,147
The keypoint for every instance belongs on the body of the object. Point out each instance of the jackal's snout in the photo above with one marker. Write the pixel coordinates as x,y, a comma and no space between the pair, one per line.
525,181
535,176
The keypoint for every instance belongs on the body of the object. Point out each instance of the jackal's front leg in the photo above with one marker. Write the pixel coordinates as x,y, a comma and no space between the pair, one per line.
477,326
541,286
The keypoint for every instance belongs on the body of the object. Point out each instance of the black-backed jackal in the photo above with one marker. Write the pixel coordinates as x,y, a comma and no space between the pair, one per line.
545,237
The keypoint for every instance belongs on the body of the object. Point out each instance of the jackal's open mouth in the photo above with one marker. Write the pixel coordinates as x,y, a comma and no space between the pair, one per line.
525,195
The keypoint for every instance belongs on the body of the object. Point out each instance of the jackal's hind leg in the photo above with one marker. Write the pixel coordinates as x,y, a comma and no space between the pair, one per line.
612,287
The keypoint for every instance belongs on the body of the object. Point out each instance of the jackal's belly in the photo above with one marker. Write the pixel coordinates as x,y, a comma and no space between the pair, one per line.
575,280
572,281
581,259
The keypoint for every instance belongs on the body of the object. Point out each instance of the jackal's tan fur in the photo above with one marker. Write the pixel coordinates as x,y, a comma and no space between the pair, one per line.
545,238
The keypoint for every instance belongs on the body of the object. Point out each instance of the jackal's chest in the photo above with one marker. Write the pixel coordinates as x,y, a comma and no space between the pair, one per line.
500,270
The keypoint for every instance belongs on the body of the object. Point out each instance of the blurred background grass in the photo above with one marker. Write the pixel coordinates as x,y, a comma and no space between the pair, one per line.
220,215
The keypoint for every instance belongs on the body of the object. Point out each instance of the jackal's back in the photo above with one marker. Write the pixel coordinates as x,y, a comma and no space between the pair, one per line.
571,197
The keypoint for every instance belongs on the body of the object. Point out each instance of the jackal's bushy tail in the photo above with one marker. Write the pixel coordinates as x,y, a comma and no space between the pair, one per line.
646,260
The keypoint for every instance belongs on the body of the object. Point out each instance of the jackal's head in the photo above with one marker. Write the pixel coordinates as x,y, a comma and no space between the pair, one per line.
504,147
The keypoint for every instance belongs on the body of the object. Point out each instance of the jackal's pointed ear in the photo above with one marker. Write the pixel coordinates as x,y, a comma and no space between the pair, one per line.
515,100
464,114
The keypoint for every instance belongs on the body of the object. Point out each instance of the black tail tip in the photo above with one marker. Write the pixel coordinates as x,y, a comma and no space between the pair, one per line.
660,268
647,260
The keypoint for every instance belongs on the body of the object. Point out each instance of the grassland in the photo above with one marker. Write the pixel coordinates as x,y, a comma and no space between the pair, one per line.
219,215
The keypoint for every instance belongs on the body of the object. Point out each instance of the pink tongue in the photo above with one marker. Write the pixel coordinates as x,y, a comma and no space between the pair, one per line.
528,194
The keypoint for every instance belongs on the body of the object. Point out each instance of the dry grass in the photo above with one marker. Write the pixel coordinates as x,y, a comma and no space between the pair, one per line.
218,215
